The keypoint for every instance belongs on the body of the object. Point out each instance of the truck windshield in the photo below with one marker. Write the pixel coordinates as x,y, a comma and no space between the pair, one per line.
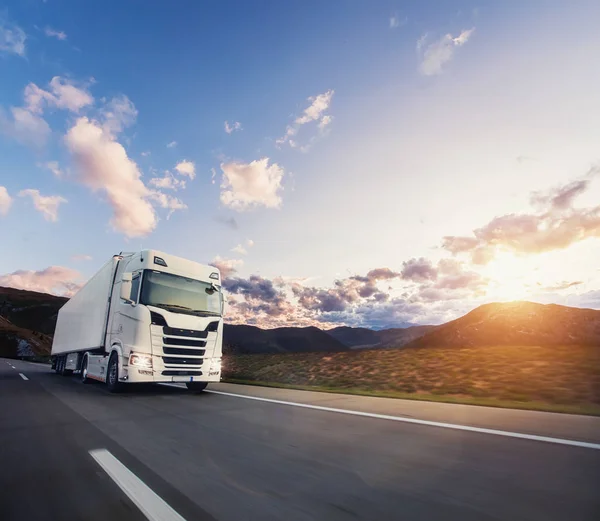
180,294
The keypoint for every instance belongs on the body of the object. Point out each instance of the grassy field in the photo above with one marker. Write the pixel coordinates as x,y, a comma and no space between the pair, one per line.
559,379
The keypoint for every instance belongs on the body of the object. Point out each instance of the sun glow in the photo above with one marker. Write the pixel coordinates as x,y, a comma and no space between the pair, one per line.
519,277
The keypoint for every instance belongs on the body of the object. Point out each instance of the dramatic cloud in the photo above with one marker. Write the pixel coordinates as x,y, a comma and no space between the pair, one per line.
12,38
54,279
53,33
186,168
438,53
260,296
233,127
418,270
5,201
248,185
46,205
81,257
314,112
227,267
556,225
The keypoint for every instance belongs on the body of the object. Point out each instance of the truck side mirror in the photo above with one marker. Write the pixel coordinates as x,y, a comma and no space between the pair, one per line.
126,287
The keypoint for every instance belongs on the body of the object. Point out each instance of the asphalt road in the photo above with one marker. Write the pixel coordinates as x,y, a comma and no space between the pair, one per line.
221,457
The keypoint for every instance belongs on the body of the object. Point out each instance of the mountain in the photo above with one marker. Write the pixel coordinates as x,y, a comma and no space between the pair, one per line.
240,339
28,319
517,324
30,309
361,337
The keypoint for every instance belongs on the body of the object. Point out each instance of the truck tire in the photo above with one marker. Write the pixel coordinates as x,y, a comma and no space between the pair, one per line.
112,374
196,387
84,370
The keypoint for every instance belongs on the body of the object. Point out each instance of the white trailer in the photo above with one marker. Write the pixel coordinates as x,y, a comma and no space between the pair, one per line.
144,317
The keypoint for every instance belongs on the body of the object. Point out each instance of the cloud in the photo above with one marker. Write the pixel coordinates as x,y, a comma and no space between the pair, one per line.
230,222
240,249
249,185
54,167
186,168
227,267
168,182
104,166
345,292
24,126
556,225
418,270
53,33
12,38
46,205
166,201
260,296
145,153
5,201
54,279
233,127
63,94
81,257
440,52
396,21
314,112
563,285
117,114
172,144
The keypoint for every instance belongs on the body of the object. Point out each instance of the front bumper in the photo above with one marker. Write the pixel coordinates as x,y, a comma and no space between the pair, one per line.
207,372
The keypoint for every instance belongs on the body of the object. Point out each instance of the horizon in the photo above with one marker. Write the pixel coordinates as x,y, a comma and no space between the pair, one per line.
374,166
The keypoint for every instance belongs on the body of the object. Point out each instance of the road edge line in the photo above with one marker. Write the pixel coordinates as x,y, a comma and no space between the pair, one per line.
468,428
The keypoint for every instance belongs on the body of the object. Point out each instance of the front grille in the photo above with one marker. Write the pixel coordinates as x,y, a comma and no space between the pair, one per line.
173,331
186,351
184,342
182,360
172,372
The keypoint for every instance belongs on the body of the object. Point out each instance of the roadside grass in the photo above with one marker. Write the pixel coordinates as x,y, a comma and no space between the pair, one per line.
562,379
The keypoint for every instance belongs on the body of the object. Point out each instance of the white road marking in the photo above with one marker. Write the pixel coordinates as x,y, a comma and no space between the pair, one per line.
23,376
151,505
454,426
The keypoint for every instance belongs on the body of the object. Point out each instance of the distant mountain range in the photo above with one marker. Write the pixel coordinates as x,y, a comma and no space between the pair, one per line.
361,337
28,318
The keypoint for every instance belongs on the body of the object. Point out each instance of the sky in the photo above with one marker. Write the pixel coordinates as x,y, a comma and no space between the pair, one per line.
374,164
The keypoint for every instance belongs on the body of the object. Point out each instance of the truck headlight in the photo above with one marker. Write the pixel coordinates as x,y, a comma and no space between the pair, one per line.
141,361
215,365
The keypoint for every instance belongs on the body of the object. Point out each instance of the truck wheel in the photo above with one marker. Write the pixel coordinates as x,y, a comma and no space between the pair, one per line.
196,387
62,361
84,370
112,374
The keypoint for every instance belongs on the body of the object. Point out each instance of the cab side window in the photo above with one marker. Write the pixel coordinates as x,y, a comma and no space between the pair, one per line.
135,286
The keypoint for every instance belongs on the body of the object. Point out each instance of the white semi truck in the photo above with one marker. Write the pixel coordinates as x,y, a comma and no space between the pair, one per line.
144,317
